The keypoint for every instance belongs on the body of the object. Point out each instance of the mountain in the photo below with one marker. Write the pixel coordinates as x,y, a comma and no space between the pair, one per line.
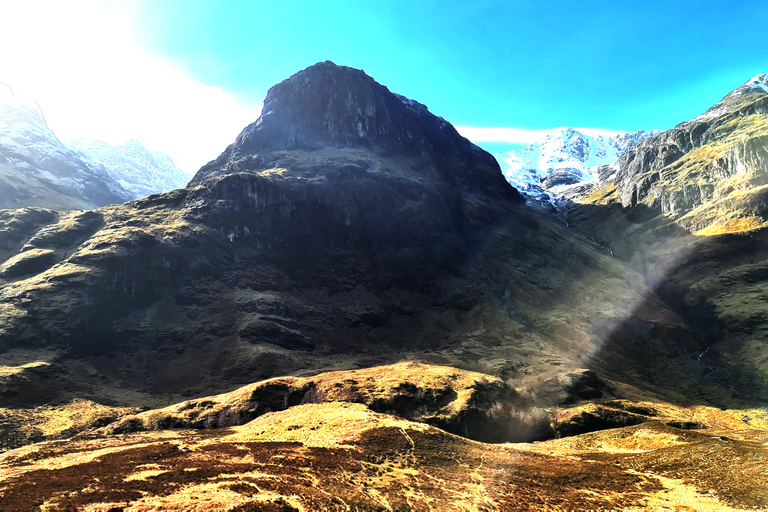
139,171
688,210
706,174
347,226
36,169
345,307
564,156
717,159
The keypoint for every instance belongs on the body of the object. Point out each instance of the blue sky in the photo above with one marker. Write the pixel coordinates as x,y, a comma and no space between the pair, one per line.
622,65
524,65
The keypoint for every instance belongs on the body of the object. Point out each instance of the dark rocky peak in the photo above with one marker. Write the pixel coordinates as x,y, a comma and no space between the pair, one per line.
329,106
336,153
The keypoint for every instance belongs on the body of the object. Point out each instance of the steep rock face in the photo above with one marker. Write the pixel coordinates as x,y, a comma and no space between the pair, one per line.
336,106
139,171
725,150
37,170
344,143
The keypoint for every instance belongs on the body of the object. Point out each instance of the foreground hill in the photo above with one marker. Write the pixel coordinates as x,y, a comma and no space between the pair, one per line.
339,456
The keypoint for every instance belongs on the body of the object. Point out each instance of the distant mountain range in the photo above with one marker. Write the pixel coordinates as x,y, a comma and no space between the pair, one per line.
38,170
564,156
138,170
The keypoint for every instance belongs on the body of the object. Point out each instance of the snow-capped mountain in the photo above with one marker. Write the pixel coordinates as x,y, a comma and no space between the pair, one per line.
36,169
562,157
140,171
758,84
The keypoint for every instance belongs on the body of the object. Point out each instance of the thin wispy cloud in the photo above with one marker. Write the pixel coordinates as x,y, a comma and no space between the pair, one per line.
521,136
82,63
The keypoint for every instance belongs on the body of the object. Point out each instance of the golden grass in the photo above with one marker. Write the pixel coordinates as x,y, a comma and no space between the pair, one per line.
604,193
278,171
26,255
71,272
736,225
337,456
362,386
332,424
6,371
679,496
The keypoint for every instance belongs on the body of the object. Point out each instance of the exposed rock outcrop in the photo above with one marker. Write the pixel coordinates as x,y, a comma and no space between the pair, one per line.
705,159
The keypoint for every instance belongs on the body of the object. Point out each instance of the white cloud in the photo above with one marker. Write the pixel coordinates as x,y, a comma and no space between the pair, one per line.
511,135
597,132
82,63
521,136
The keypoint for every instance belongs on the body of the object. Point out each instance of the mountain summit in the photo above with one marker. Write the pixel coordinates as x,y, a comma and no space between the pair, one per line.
337,145
334,106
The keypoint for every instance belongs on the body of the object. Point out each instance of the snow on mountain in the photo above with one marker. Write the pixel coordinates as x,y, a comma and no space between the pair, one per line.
140,171
36,169
758,82
562,157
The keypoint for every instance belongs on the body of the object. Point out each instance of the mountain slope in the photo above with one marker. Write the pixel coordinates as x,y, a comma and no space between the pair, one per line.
687,208
139,171
37,170
350,244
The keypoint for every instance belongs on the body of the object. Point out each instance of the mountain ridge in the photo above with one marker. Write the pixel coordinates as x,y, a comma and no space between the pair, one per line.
38,170
139,171
564,156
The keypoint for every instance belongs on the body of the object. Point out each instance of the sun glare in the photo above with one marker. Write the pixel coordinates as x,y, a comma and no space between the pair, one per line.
93,79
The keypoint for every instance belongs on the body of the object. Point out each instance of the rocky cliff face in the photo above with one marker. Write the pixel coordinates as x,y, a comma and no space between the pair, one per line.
688,209
718,156
374,161
36,169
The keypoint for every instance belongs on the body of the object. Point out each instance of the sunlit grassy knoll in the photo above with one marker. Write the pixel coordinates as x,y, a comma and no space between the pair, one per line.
692,416
332,456
735,225
435,394
331,424
72,273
